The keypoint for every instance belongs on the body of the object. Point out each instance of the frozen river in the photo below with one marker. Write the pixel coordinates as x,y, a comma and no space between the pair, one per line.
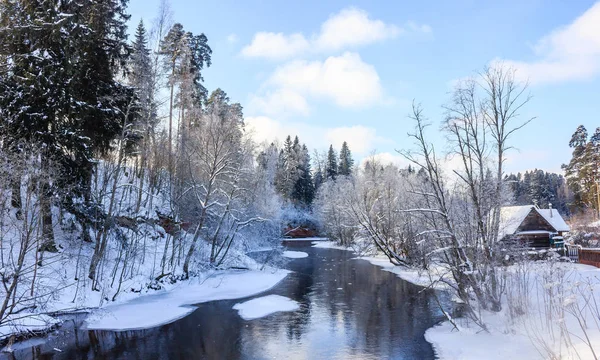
338,308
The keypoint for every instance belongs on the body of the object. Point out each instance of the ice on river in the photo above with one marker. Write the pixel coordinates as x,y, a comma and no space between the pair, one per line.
295,254
263,306
159,309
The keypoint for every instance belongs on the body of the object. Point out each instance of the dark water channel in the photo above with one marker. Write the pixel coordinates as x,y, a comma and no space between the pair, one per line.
349,309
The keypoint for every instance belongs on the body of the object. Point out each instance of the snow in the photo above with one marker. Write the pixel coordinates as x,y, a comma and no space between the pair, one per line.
295,254
511,217
550,296
168,306
553,217
25,323
266,305
470,344
330,245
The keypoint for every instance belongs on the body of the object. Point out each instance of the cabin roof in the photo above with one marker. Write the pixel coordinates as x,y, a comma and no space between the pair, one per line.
511,217
553,218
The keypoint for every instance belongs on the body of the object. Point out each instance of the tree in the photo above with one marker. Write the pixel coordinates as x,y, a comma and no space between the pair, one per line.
582,171
215,164
185,56
331,169
64,75
346,161
462,222
304,190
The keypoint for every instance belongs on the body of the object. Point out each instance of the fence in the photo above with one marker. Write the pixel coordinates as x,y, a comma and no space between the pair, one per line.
590,257
573,252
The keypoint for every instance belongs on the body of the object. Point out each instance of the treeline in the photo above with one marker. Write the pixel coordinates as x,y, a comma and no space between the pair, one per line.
295,178
541,188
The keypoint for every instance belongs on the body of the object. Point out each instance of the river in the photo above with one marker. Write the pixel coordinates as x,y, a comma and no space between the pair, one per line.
349,309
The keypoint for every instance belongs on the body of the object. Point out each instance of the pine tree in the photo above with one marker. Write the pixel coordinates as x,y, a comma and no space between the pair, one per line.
582,170
346,161
331,170
185,55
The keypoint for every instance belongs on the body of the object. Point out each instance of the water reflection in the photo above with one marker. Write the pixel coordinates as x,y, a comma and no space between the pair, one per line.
349,309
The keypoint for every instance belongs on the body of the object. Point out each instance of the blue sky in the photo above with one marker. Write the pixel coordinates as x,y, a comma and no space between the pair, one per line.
336,70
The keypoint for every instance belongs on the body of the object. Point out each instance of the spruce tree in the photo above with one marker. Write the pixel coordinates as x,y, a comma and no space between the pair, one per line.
304,190
346,161
331,170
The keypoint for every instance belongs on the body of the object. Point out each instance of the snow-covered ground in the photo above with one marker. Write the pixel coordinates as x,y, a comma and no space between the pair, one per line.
172,304
294,254
26,323
266,305
540,319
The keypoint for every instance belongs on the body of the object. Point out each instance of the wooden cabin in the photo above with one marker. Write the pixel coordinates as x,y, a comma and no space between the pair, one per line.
532,226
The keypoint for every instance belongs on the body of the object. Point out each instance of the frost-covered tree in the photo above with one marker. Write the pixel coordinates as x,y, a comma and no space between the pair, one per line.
462,221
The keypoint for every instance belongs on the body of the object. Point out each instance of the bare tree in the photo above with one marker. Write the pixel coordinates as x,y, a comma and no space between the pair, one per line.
463,216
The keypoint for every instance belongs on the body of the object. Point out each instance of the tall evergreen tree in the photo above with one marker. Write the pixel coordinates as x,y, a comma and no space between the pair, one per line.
331,169
141,78
346,161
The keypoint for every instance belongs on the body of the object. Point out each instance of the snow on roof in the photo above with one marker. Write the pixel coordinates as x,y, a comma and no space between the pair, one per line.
553,217
512,216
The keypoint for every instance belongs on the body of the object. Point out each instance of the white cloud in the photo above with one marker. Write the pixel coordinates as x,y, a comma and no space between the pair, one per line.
361,139
350,28
568,53
279,101
232,38
276,45
346,80
353,27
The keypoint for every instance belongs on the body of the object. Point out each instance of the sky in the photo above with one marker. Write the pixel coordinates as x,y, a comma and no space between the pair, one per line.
334,71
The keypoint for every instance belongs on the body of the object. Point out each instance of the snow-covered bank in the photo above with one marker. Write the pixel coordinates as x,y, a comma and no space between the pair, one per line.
414,276
330,245
26,323
294,254
549,310
173,304
266,305
474,344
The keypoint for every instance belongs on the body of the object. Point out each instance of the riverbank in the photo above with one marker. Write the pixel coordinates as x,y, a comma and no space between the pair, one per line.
327,306
549,311
148,308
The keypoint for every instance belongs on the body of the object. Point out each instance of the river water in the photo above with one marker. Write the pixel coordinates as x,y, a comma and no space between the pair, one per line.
349,309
